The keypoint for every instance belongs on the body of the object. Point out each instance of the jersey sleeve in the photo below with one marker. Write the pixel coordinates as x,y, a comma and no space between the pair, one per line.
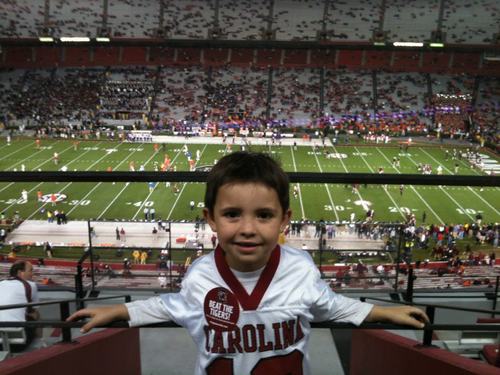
148,311
328,305
177,307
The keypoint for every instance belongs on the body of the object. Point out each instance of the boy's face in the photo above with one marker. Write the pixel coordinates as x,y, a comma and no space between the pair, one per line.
248,219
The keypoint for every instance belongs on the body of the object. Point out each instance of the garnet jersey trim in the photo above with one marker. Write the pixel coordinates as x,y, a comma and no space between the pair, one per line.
252,301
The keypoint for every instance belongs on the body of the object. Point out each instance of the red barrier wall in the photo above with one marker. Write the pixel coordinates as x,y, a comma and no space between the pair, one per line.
406,61
161,55
349,58
133,55
112,351
268,57
321,57
76,56
377,59
47,57
106,56
188,56
215,56
295,58
376,352
435,61
18,57
463,61
242,57
397,61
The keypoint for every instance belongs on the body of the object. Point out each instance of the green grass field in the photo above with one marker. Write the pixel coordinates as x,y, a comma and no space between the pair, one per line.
126,201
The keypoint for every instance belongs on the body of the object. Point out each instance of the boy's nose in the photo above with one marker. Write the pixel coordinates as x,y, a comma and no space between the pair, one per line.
247,227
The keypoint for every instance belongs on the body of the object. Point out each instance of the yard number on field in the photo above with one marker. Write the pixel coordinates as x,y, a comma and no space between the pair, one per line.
329,207
404,210
83,202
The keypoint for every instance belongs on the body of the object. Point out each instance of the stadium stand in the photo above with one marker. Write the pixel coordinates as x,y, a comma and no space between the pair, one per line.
464,23
353,20
305,23
244,20
421,15
359,20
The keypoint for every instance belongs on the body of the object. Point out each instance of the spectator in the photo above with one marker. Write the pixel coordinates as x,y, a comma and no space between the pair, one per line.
18,289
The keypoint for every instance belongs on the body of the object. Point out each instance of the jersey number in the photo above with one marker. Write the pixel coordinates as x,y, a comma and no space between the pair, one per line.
289,364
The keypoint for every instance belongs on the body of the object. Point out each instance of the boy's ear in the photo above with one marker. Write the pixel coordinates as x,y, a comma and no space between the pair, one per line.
286,219
210,220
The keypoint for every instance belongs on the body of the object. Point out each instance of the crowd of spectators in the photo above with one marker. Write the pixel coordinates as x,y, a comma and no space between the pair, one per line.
180,98
348,92
127,91
401,92
47,95
295,96
356,20
445,241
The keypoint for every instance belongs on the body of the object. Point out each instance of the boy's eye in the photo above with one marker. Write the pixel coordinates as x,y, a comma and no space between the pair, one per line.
231,214
265,215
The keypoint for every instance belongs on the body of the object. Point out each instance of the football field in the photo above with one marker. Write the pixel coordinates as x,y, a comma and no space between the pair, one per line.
127,201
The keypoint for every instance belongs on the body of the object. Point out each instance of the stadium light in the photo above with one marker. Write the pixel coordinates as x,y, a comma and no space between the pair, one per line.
46,39
102,39
379,44
436,45
75,39
408,44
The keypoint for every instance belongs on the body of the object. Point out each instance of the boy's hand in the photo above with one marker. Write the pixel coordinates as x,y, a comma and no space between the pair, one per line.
403,315
100,316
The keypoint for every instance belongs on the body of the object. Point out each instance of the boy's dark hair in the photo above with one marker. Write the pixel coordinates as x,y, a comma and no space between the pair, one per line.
247,167
19,265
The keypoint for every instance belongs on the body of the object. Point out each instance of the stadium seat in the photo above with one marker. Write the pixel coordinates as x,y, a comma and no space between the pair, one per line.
11,336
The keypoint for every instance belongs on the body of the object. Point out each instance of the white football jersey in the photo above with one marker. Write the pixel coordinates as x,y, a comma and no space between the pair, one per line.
265,332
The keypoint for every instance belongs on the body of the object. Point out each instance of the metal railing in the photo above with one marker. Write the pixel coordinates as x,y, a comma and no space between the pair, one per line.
428,329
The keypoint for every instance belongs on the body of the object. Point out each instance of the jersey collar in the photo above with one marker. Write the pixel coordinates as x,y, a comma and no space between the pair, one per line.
252,301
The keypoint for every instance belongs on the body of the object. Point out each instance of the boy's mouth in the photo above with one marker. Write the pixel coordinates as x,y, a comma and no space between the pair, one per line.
246,245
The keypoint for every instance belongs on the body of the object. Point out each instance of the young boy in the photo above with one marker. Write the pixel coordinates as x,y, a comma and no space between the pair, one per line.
248,304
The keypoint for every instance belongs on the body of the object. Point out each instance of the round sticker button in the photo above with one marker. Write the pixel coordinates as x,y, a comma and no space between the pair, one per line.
221,309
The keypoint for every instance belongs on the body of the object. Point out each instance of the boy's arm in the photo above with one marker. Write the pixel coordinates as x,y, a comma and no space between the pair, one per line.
404,315
100,316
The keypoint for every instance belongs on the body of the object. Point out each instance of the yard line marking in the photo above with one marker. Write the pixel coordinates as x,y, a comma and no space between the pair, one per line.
78,157
113,201
300,192
17,150
91,190
126,184
157,183
5,145
36,186
26,158
445,192
7,186
65,187
468,187
413,188
183,185
383,186
175,203
326,186
365,207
